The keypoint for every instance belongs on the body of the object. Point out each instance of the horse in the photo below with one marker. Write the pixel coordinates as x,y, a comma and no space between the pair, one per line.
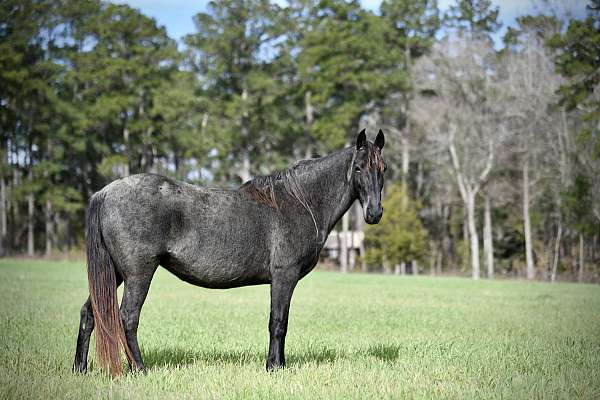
270,230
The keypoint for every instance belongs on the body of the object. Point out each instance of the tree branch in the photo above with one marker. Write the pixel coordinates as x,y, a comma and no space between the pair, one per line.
456,164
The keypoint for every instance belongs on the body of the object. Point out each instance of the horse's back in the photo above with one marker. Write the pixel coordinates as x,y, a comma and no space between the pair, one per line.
209,237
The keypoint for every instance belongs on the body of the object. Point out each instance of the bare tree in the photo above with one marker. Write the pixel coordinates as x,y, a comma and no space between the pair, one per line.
531,83
466,119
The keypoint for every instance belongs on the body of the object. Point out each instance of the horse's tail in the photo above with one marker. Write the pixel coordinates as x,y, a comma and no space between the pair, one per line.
103,293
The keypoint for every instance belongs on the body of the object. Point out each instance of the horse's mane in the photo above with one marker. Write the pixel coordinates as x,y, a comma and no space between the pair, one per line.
262,189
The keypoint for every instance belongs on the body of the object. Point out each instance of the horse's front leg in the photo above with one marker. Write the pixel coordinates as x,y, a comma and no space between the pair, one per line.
282,287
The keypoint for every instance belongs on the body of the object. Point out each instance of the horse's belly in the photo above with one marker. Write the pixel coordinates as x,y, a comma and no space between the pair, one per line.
223,265
217,276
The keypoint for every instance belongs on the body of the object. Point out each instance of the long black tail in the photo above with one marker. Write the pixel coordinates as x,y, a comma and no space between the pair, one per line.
110,335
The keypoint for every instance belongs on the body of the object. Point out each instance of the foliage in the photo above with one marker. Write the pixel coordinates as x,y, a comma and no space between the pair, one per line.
348,60
477,17
229,51
578,59
416,23
577,206
91,91
399,236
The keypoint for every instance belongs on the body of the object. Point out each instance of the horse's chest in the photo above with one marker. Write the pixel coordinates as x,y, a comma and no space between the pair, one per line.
298,251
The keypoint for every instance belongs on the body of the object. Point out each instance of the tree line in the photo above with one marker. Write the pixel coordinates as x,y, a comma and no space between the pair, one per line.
487,149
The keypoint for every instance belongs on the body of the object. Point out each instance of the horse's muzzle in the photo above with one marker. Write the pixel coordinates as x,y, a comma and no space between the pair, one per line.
373,214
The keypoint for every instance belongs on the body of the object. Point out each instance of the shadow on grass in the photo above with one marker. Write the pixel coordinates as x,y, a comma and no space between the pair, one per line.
384,352
177,356
173,356
322,355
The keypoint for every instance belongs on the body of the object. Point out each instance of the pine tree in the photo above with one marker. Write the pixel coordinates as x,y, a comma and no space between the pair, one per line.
231,53
578,60
413,25
400,236
349,65
477,18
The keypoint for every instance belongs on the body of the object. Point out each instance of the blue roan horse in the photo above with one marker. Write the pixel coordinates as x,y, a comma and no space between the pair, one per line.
270,230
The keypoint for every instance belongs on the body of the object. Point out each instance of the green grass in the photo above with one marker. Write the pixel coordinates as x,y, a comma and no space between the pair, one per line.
350,336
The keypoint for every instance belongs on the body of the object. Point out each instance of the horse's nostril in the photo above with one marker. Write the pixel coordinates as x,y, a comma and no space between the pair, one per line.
373,214
376,216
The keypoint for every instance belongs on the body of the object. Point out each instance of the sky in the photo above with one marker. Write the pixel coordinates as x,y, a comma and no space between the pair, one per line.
176,15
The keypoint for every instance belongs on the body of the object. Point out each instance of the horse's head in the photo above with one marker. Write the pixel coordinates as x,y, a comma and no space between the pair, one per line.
367,173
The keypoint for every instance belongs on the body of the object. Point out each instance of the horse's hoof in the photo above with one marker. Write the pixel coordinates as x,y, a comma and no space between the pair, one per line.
79,369
141,370
272,367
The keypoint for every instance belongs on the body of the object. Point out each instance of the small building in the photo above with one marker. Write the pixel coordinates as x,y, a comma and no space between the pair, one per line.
354,242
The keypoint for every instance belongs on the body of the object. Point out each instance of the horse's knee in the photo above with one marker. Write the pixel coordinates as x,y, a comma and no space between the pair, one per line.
130,322
278,328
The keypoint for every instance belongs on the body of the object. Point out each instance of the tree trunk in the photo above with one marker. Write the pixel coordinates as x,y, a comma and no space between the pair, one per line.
48,212
473,235
468,191
30,207
405,159
69,233
415,267
360,228
448,247
308,153
147,148
127,155
3,219
466,253
30,218
386,265
14,208
402,268
438,262
4,199
350,245
58,225
527,223
309,114
49,228
344,243
581,271
147,152
433,257
397,269
488,243
244,172
420,180
404,140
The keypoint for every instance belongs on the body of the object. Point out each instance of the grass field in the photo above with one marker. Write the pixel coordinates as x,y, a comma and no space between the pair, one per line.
350,336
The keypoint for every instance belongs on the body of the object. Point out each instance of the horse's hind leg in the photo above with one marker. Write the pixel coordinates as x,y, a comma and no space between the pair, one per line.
86,326
134,295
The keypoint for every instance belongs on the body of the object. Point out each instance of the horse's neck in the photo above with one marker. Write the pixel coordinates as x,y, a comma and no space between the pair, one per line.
330,193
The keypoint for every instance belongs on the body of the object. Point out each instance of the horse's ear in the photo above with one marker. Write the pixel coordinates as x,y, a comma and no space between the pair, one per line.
380,140
361,140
